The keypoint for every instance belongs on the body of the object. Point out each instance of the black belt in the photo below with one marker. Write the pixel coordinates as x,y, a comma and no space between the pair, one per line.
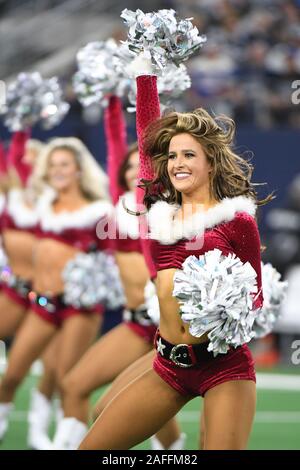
183,355
51,304
139,316
21,286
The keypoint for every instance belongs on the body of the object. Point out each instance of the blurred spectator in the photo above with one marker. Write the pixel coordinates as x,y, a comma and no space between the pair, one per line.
284,231
246,68
251,58
283,251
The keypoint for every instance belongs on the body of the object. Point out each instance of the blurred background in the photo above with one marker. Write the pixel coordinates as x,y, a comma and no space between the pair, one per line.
248,69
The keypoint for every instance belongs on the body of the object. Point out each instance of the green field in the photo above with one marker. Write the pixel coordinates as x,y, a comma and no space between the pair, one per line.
277,423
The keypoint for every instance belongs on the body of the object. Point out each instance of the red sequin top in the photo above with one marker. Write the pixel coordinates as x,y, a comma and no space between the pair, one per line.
229,227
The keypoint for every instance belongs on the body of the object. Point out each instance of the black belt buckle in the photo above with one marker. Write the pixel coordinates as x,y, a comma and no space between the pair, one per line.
181,351
44,302
137,316
142,317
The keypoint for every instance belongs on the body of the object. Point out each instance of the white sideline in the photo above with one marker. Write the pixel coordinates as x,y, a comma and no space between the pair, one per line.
278,381
291,417
265,381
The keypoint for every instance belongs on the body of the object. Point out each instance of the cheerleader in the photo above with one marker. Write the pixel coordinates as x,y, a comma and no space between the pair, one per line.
130,340
68,216
19,220
204,189
18,223
3,188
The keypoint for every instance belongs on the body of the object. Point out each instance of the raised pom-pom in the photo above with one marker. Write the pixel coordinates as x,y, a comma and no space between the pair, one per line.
162,35
216,296
31,99
98,77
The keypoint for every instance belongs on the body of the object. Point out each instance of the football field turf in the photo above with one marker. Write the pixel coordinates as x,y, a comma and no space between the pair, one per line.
276,426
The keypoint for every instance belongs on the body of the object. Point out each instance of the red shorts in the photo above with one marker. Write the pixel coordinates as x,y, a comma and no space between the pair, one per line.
194,381
146,332
61,313
12,294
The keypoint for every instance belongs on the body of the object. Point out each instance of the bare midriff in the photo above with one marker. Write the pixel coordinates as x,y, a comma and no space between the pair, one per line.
19,247
50,259
134,275
171,327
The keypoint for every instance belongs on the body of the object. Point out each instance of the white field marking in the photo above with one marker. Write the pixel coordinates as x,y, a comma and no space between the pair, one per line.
35,370
290,417
278,382
288,382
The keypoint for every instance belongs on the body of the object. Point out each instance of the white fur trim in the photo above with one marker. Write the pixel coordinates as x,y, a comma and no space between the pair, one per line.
22,215
2,202
128,224
84,217
166,230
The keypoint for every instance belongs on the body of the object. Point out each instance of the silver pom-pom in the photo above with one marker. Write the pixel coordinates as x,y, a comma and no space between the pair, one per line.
274,292
115,296
162,35
91,279
171,83
215,293
31,99
151,302
98,76
3,259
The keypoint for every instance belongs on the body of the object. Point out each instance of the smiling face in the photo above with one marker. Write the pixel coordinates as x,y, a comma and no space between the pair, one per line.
63,171
188,167
132,171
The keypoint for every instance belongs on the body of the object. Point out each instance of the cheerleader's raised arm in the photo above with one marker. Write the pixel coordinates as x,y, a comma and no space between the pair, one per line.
147,111
15,154
2,160
116,139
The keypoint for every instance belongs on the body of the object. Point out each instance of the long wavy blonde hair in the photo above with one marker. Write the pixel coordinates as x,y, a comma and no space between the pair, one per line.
93,180
230,175
35,145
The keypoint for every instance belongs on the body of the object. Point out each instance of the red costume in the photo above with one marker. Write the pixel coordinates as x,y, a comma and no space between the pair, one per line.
17,215
77,229
229,226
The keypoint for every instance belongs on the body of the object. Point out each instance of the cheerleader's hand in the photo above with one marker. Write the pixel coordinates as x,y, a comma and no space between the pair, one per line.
141,65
